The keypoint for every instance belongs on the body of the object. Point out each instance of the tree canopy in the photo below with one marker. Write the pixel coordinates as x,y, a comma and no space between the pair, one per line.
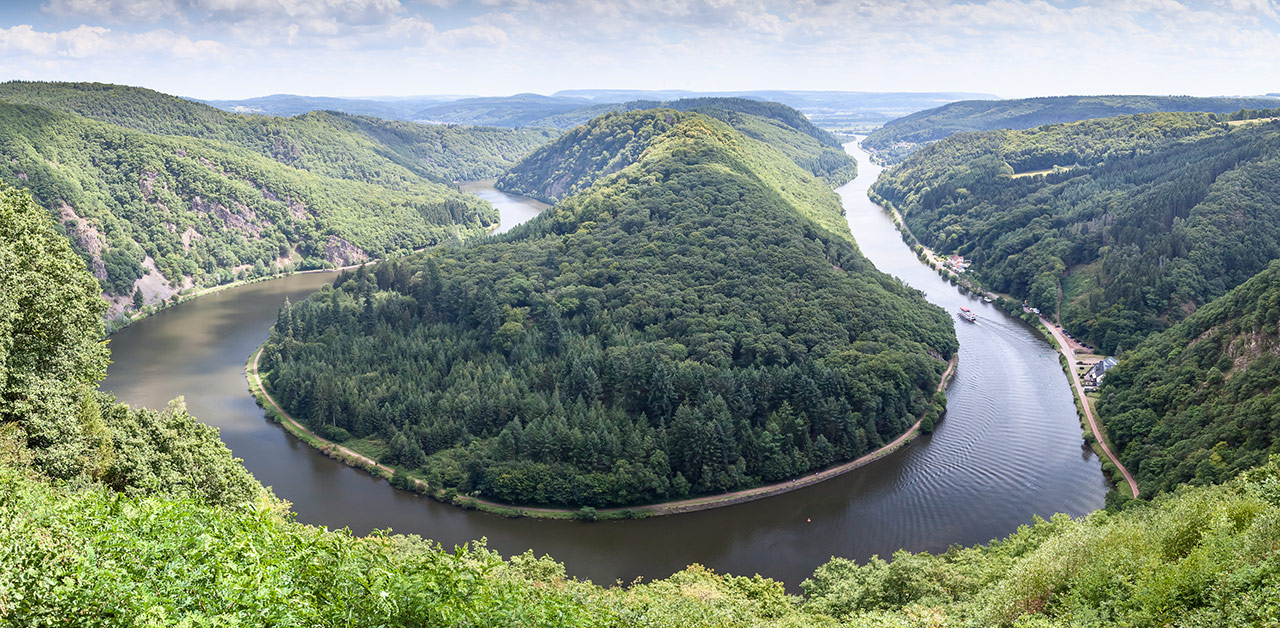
1196,403
52,417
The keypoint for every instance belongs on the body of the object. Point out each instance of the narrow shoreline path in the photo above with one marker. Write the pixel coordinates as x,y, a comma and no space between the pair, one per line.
694,504
1065,348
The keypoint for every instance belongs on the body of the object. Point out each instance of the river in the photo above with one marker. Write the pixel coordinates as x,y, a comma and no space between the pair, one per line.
1009,448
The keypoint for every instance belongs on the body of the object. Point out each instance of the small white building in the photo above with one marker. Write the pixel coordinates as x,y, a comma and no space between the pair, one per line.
1093,377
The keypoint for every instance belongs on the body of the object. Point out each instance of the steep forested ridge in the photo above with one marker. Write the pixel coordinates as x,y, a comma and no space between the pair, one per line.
153,210
1133,223
164,212
685,325
1196,403
616,139
897,139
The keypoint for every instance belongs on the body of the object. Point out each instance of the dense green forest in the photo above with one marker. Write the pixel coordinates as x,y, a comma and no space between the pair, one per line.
617,138
112,516
898,138
1130,224
159,213
683,326
393,154
1195,403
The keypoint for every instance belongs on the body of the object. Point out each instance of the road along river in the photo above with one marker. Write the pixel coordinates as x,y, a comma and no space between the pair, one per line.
1010,446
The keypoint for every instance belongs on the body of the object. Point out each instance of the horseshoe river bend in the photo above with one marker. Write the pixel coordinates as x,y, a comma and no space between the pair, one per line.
1009,448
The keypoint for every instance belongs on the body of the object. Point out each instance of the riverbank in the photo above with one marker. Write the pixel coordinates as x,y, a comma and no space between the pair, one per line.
360,461
482,189
154,309
1083,407
1100,441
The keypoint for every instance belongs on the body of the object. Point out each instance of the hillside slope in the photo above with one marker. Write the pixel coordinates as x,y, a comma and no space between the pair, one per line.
389,153
615,139
156,213
1145,218
1196,403
690,324
898,138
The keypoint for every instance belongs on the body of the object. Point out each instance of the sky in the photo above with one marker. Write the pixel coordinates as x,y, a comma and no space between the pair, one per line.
1013,48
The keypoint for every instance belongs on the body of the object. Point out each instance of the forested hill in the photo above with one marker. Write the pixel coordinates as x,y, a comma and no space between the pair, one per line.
131,516
613,141
151,214
388,153
1197,403
1144,219
680,327
899,138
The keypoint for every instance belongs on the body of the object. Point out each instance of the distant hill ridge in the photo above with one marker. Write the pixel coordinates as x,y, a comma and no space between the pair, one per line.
899,138
568,108
586,153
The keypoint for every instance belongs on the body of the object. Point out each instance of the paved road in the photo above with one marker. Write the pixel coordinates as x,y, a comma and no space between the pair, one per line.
1070,354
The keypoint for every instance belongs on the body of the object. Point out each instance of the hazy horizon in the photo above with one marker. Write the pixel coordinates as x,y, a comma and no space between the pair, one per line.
236,49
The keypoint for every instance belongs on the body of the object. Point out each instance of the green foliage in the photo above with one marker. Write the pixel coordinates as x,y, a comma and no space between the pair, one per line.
616,139
209,211
94,556
1196,403
221,196
50,326
394,154
51,359
684,326
586,153
1200,557
1146,218
898,139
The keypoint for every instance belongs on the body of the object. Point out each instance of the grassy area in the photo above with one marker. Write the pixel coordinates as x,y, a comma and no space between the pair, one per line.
1253,121
1035,173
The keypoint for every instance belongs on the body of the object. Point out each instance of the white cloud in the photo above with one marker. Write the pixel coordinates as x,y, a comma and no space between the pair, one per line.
78,42
474,35
116,10
85,42
1013,47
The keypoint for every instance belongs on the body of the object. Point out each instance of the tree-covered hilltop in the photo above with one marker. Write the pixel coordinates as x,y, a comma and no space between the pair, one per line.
157,213
897,139
394,154
683,326
1195,403
117,517
1121,226
616,139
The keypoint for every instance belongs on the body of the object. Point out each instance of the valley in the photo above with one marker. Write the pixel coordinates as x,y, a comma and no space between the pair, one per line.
697,337
1001,455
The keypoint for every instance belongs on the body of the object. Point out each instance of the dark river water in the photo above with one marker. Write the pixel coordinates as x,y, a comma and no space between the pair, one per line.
1009,448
